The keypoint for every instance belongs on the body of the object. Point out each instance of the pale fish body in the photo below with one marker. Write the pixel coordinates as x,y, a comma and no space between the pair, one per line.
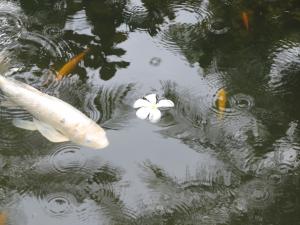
55,119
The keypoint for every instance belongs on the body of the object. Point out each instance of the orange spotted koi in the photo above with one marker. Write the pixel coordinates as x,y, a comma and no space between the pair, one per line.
70,66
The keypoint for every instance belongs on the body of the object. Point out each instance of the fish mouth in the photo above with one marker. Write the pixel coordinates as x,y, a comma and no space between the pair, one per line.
105,143
99,142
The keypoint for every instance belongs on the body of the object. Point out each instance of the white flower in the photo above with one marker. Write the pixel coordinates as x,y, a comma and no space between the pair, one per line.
149,107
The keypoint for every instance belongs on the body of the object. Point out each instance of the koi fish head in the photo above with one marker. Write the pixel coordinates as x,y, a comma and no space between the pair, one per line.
95,138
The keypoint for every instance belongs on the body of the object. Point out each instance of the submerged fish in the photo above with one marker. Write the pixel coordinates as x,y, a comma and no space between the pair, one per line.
245,18
70,66
3,218
221,101
55,119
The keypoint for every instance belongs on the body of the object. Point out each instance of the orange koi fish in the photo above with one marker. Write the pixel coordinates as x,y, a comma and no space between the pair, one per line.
245,18
3,218
69,66
221,101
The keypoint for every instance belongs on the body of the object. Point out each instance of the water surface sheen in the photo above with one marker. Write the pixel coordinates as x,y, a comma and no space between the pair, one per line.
200,164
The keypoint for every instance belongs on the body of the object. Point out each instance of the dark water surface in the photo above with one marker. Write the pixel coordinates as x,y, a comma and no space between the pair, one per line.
193,166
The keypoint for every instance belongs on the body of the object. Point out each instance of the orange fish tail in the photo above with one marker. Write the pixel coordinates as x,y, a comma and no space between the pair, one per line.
245,19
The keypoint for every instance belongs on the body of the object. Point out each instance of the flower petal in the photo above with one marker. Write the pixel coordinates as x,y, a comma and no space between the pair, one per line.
141,103
155,115
165,103
151,98
143,112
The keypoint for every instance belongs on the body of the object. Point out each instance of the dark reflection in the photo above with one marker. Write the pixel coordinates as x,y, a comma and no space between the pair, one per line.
64,184
65,26
251,171
231,141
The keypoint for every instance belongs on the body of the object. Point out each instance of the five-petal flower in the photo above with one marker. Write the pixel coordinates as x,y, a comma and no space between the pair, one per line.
148,106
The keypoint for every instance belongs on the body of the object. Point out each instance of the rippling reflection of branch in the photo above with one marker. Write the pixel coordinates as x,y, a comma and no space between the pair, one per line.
69,177
198,125
253,199
238,138
112,105
274,168
182,205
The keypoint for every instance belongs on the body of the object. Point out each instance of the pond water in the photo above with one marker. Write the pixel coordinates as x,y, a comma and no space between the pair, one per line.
200,164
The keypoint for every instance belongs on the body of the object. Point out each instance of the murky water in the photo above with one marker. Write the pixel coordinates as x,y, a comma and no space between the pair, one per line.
198,164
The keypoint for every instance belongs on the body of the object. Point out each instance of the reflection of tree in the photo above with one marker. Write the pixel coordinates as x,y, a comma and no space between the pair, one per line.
221,41
240,137
231,142
39,177
253,201
104,17
265,169
207,195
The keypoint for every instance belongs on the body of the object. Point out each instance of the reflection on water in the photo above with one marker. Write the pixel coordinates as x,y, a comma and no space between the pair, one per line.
193,166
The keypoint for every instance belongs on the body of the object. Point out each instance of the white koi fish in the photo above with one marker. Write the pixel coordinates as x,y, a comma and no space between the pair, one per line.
55,119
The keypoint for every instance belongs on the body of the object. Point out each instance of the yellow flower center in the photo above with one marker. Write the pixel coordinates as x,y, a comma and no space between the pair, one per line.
153,106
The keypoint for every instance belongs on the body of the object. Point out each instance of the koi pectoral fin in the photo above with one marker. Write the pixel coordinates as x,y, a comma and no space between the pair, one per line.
24,124
49,132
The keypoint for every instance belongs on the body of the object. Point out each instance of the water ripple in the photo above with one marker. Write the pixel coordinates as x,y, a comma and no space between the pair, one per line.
32,56
215,177
241,101
287,157
11,28
12,139
217,26
237,104
191,12
180,38
90,107
155,61
89,213
41,42
285,58
52,31
202,9
68,158
107,105
58,204
256,194
136,16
